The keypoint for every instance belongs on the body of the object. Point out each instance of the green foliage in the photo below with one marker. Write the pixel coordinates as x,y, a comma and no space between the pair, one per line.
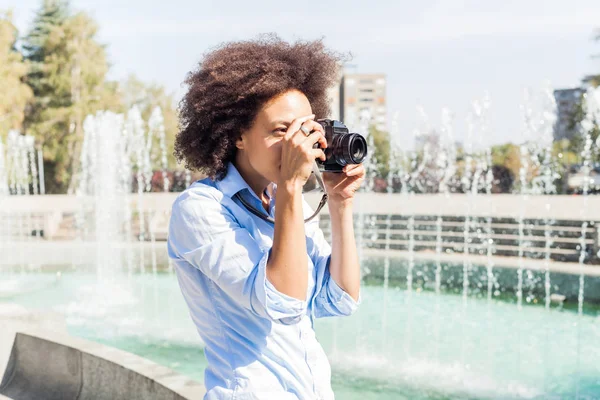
58,78
52,14
577,143
15,94
381,151
146,97
509,156
570,152
68,80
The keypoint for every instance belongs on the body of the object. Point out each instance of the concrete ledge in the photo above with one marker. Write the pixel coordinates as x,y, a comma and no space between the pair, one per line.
567,207
58,366
16,318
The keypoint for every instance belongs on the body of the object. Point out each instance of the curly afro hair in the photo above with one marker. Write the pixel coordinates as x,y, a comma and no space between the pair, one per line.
234,81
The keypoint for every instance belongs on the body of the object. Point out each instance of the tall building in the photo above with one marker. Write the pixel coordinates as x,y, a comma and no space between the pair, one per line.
567,101
361,94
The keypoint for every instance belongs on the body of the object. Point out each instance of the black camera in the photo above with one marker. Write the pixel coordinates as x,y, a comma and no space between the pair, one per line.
343,147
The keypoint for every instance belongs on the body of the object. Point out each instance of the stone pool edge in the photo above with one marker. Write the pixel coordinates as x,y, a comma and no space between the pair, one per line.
50,328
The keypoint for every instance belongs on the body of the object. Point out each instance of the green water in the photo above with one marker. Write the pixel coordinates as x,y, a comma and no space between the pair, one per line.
400,344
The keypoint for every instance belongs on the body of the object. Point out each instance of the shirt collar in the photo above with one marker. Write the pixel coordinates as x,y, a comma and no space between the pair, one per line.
233,182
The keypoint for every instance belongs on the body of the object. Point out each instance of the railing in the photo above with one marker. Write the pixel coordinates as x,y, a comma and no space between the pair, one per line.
533,238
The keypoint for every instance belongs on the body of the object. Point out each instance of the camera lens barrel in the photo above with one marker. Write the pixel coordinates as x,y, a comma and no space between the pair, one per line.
349,148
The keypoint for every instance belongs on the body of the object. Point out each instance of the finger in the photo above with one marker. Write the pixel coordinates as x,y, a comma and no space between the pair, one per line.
313,125
318,153
314,128
296,124
349,167
358,170
316,137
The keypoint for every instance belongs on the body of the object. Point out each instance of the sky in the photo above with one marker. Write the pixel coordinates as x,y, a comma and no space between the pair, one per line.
435,54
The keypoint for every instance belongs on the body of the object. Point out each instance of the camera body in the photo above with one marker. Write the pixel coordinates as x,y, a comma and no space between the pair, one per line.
343,147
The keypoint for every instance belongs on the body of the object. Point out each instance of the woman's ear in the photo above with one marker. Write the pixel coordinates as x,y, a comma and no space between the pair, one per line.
239,143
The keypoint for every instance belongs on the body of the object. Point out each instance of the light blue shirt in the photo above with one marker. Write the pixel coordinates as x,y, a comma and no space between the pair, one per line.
259,343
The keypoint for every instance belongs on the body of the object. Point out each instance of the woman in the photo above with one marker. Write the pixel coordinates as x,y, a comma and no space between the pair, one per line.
252,287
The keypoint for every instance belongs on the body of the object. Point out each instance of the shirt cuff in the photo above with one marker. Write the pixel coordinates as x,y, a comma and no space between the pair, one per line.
339,298
276,305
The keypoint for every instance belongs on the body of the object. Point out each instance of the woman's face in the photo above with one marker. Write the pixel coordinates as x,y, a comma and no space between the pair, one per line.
261,144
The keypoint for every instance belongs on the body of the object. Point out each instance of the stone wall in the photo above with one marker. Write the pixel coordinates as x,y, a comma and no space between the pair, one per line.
50,364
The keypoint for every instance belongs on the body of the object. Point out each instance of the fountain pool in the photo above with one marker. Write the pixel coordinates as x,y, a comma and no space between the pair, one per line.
400,344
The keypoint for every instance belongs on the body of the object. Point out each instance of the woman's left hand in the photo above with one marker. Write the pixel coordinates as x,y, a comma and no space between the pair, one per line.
341,186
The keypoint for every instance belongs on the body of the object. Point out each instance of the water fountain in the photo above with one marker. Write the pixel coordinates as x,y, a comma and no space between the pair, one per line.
537,177
443,314
21,174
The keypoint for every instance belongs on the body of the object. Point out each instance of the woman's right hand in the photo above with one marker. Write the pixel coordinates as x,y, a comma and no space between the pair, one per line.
297,152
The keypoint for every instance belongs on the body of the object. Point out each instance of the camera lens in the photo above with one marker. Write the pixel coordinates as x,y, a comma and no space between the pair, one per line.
358,149
351,148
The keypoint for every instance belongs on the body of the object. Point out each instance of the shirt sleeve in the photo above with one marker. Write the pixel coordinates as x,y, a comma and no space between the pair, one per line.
204,233
330,299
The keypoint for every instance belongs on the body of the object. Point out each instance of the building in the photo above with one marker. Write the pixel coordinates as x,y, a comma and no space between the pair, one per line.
567,101
360,95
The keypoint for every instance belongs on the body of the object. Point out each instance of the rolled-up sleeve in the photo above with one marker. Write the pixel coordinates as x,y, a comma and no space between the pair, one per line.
205,234
330,299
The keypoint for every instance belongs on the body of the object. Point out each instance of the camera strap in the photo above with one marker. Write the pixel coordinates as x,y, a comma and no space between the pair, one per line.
267,218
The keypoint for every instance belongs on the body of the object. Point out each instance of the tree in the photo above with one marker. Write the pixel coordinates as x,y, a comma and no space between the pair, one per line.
509,156
146,97
381,151
571,151
68,81
594,79
577,143
15,94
